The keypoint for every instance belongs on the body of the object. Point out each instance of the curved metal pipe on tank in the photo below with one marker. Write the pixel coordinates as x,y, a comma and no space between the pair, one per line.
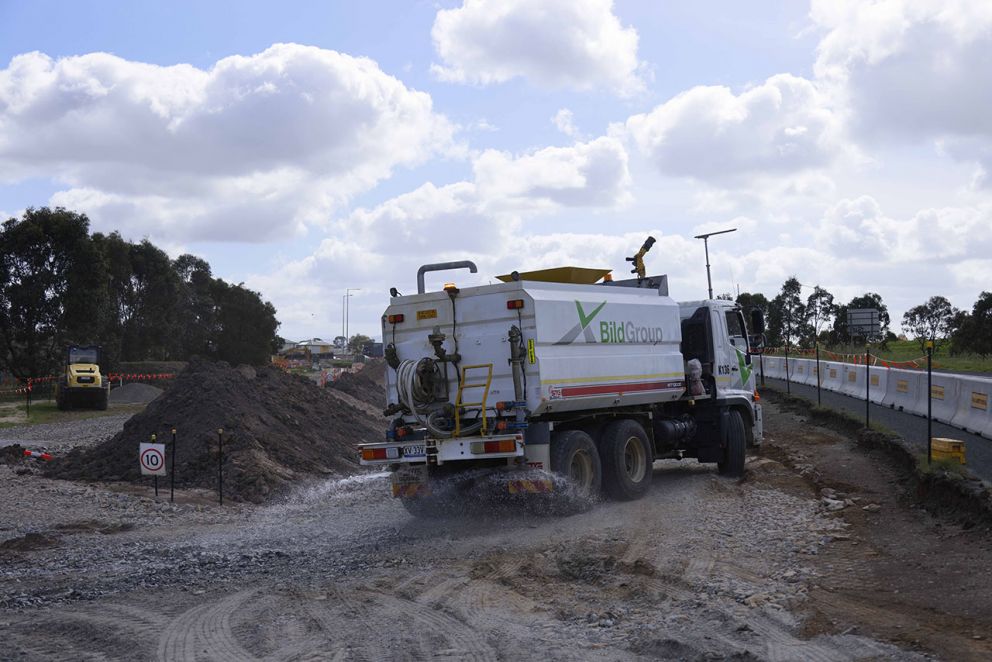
443,266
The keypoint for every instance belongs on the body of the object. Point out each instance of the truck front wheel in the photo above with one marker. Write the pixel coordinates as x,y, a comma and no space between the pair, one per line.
627,460
735,451
573,456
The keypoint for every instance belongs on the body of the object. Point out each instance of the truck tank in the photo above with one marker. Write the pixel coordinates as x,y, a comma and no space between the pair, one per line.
581,347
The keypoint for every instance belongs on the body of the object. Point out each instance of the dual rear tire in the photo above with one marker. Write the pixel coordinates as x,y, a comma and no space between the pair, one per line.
621,466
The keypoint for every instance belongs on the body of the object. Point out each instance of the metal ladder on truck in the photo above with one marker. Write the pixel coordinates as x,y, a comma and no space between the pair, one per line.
466,385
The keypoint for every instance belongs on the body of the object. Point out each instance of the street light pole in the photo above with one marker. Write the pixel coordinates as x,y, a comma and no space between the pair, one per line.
706,247
347,311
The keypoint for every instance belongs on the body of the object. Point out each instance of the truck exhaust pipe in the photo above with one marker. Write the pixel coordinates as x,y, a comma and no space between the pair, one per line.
443,266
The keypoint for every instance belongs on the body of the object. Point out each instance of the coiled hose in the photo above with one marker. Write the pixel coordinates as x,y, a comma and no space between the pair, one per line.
418,397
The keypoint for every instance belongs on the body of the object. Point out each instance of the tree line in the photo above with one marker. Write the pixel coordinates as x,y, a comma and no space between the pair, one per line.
61,285
802,322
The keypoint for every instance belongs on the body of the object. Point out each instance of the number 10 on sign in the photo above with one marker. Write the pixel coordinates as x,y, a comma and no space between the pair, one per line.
152,459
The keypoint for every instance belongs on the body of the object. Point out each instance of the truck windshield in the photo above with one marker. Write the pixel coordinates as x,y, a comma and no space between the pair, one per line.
82,355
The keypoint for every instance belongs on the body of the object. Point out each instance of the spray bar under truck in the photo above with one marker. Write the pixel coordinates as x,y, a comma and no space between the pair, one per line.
551,370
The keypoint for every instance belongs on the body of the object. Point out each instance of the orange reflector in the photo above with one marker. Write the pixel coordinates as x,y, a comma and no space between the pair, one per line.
500,425
395,319
514,304
504,446
380,453
757,396
401,432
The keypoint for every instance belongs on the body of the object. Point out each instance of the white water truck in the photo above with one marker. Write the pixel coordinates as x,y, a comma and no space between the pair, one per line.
553,371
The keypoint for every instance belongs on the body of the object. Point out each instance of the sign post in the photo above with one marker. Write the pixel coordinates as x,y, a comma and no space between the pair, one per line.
151,457
172,474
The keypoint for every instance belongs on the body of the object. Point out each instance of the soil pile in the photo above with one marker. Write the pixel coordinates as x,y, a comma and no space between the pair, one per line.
368,385
278,429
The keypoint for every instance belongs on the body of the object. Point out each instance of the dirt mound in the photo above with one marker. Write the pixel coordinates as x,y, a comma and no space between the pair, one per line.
278,428
368,385
134,394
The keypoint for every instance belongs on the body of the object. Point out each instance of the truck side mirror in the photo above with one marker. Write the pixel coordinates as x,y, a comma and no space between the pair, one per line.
757,321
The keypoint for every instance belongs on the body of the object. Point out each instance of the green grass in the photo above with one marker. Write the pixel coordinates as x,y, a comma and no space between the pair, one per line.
941,466
908,350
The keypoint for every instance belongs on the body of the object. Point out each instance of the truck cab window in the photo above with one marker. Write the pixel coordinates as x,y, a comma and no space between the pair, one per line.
735,329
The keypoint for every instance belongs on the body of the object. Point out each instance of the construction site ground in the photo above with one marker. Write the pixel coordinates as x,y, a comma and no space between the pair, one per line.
818,553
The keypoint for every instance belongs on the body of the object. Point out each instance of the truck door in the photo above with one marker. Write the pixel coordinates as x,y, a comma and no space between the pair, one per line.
738,354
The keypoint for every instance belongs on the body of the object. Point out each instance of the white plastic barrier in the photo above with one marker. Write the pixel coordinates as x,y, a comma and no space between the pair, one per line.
944,396
832,377
878,377
800,371
959,400
770,366
973,413
903,388
853,380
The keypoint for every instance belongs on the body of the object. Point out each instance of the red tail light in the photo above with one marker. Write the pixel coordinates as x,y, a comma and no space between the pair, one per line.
395,319
514,304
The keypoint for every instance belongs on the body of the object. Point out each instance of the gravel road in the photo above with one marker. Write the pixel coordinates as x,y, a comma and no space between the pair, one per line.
61,436
703,567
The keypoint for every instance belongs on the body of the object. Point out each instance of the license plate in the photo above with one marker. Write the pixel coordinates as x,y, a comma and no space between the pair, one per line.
414,451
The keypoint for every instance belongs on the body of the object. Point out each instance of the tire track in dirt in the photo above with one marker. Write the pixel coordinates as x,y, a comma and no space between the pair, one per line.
469,645
207,629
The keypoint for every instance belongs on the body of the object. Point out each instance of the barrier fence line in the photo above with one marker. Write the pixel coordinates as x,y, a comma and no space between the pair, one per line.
856,359
961,401
29,384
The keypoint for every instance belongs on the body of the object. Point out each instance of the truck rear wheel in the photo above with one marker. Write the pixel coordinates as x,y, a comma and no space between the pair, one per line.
102,399
627,460
574,456
735,452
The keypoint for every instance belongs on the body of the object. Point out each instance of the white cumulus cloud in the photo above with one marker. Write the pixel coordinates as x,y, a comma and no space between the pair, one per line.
911,70
709,133
248,150
576,44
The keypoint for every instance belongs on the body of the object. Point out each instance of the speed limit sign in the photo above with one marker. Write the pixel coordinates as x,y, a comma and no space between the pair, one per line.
152,459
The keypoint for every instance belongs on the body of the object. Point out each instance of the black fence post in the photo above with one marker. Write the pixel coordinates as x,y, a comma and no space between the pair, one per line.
172,474
788,384
867,389
818,401
155,477
220,465
929,402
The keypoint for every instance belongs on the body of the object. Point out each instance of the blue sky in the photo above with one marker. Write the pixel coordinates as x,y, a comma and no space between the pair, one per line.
849,141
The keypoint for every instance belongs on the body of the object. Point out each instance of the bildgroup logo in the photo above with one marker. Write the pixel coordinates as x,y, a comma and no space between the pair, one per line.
610,331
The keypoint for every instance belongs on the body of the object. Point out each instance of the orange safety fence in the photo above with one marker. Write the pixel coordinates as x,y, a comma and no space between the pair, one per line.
856,359
27,386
